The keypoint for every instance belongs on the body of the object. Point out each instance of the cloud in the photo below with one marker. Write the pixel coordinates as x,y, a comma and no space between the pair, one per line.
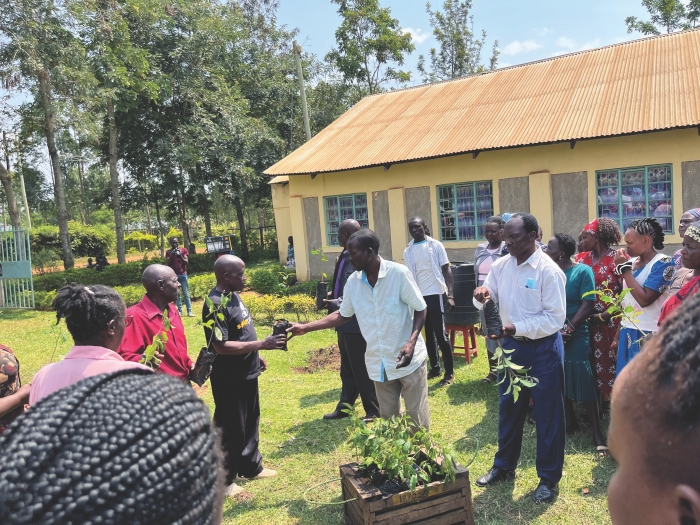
517,47
417,35
567,43
542,31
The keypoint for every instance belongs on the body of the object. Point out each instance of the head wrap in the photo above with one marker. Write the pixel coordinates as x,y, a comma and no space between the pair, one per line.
695,212
693,232
128,447
506,216
592,227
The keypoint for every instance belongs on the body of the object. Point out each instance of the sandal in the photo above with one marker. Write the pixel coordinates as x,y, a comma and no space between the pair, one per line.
489,378
603,451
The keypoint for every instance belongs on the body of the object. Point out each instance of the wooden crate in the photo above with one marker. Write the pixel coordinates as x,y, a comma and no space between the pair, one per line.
437,503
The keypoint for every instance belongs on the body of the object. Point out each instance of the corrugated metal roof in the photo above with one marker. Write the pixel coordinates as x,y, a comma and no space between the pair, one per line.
644,85
279,179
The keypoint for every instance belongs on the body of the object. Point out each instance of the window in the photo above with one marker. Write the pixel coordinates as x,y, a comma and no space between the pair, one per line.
633,193
464,209
344,207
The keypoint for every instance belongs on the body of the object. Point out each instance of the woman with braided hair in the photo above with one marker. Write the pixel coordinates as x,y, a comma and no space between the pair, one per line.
96,319
687,279
648,274
654,432
594,246
130,447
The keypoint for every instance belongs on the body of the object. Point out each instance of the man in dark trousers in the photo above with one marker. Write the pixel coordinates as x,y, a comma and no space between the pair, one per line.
234,375
353,371
530,292
178,259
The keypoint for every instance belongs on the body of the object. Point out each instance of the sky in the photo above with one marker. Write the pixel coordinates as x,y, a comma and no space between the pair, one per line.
527,30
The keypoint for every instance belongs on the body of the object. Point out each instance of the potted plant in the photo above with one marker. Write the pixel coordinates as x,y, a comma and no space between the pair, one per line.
402,475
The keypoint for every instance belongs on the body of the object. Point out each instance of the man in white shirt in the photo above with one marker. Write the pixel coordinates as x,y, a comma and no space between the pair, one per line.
430,267
391,312
530,292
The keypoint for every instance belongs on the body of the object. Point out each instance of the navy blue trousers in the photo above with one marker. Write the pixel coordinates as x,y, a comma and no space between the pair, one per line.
544,358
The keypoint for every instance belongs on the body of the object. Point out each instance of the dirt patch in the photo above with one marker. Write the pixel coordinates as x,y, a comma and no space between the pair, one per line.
321,360
244,497
200,390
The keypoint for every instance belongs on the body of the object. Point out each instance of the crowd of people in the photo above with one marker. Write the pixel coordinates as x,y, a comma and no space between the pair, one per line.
100,428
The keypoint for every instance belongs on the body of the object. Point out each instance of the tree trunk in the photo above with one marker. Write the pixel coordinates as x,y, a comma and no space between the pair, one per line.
241,217
160,227
12,208
149,227
59,193
114,180
207,215
86,200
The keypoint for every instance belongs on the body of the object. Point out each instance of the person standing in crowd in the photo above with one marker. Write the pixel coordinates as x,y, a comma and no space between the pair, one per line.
148,320
96,319
687,279
13,395
578,375
688,218
486,254
595,250
235,372
90,264
353,371
427,260
654,430
649,275
178,259
530,292
391,312
101,263
291,261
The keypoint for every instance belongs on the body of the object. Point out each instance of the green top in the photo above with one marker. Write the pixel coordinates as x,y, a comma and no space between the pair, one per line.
579,280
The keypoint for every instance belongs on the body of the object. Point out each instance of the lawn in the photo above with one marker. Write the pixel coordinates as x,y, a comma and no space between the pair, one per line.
306,450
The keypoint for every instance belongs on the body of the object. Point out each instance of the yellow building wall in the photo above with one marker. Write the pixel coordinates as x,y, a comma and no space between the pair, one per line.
537,162
283,220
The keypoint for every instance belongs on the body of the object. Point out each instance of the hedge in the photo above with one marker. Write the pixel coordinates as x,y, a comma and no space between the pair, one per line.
86,241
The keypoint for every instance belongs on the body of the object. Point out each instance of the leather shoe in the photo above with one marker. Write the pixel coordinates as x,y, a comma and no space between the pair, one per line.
337,414
495,475
546,491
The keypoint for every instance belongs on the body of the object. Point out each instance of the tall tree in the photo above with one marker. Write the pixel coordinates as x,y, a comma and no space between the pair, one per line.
666,15
459,51
370,43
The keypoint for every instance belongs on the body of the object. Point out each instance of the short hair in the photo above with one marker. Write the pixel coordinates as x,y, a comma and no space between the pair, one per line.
496,219
126,447
366,238
87,309
609,231
650,227
566,243
529,221
417,218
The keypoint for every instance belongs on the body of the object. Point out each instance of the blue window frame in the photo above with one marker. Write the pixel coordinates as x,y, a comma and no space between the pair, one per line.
628,194
464,209
341,207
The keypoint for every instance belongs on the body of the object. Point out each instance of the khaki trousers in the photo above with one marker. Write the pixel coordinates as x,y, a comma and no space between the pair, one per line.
413,388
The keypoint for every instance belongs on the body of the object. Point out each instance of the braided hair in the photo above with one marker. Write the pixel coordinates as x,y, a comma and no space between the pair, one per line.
128,447
650,227
566,243
87,309
609,232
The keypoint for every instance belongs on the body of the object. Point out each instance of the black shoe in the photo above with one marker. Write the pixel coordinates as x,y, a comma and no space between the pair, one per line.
369,419
546,491
447,380
495,475
434,372
336,415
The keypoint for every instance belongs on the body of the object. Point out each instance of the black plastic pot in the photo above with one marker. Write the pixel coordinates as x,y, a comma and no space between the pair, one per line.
494,324
279,327
321,294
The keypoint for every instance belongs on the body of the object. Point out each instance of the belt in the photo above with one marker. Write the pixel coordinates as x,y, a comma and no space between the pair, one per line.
521,339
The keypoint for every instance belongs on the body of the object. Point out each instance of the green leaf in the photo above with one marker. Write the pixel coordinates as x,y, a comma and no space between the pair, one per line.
209,323
220,316
218,334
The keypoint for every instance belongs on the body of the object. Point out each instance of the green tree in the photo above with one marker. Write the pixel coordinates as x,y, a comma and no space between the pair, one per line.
666,15
370,43
459,51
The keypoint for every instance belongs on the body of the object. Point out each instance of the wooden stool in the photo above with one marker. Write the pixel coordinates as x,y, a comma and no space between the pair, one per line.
471,350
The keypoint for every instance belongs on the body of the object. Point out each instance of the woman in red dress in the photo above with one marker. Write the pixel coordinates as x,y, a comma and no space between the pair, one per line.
595,251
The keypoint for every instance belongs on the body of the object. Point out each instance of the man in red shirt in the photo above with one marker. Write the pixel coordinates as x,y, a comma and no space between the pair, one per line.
162,288
177,258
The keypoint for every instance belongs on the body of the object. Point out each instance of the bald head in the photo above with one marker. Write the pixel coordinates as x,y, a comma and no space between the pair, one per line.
154,273
230,273
161,284
346,229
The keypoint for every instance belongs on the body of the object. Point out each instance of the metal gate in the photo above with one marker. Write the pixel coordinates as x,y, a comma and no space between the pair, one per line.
16,283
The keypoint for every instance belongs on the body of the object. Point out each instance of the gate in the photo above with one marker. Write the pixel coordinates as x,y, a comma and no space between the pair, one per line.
16,283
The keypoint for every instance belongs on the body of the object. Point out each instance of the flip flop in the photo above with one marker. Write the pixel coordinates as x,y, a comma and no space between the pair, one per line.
603,451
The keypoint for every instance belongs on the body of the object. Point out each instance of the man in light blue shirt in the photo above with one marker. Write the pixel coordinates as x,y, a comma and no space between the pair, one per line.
390,310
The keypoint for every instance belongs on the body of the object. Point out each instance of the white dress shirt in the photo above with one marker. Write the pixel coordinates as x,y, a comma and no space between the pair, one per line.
437,259
531,296
385,316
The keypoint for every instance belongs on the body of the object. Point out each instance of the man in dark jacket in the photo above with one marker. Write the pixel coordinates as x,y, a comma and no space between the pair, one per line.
353,371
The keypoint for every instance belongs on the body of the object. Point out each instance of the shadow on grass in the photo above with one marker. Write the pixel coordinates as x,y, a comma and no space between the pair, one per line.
329,396
15,315
296,508
317,436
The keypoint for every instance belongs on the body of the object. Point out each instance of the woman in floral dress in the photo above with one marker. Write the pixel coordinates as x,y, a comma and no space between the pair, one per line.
595,251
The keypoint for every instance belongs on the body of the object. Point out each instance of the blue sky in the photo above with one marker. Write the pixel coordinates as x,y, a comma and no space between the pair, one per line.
527,30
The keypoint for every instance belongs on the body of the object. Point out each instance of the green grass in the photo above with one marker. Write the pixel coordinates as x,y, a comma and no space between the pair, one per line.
306,450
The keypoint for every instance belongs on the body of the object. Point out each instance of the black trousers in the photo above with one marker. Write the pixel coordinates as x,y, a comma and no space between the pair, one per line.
353,374
435,333
237,414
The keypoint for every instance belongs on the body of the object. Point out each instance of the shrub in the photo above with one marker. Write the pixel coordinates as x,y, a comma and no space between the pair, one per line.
113,275
141,241
86,241
265,281
43,300
201,285
305,288
131,294
43,260
302,305
201,263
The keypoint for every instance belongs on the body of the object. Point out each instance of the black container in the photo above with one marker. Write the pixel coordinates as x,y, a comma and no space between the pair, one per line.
464,312
321,294
492,316
279,327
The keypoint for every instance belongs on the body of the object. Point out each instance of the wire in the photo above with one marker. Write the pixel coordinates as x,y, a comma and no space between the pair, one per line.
307,500
475,452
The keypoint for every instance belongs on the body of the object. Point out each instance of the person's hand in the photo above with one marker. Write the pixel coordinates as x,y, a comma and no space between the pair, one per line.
23,393
565,336
296,329
450,304
621,256
508,330
482,294
274,342
263,364
405,355
613,347
157,361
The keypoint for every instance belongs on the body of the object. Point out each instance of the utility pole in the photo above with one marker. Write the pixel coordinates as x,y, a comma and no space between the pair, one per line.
302,90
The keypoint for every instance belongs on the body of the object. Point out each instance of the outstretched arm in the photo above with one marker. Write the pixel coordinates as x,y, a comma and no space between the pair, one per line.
330,321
